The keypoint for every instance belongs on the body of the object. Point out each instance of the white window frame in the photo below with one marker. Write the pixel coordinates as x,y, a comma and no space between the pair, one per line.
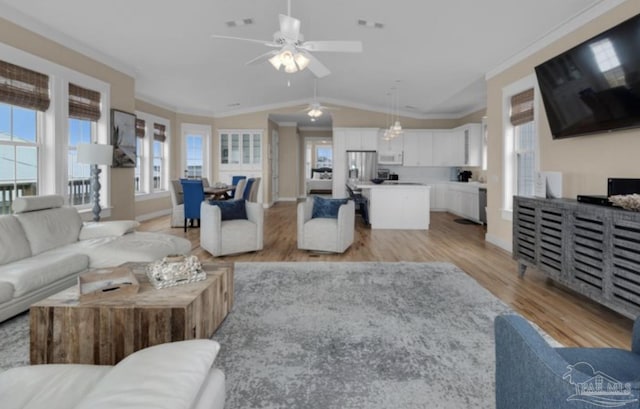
205,132
509,168
147,192
52,158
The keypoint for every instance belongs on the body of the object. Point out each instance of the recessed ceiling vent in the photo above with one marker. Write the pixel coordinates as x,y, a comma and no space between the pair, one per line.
240,22
234,105
370,24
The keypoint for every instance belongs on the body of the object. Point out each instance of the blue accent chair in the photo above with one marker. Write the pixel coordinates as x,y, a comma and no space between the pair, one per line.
193,192
234,182
247,189
533,375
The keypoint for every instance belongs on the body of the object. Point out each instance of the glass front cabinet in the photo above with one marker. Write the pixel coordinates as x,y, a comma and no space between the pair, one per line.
240,149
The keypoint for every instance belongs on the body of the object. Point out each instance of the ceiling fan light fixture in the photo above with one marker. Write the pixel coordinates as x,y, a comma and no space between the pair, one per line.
290,68
315,113
276,62
302,61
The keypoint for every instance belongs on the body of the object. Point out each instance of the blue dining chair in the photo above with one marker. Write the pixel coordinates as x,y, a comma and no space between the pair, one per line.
234,182
247,189
193,192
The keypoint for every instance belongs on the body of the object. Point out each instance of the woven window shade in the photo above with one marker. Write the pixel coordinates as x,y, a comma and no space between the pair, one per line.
522,108
140,131
159,132
23,87
83,103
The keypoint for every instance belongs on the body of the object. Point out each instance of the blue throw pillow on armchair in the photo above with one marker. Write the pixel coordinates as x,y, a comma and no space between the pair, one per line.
231,209
327,208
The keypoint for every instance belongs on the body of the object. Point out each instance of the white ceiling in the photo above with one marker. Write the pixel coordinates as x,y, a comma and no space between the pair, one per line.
440,50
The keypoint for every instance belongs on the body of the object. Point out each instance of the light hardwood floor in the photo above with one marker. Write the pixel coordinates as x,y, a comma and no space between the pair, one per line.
567,316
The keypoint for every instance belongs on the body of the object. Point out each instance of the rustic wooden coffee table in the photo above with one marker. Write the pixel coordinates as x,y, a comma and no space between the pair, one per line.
103,332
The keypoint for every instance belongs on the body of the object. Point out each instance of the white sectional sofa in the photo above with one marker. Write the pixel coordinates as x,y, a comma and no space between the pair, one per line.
178,375
44,246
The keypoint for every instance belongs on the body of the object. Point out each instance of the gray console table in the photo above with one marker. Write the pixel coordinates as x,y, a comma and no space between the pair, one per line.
594,250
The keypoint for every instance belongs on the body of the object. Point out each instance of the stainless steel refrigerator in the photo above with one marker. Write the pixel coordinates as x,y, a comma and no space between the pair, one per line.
361,166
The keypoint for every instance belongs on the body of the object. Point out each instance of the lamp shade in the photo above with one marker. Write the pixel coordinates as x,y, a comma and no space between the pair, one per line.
95,154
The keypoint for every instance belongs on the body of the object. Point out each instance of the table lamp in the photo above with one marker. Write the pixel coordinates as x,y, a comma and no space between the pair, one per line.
95,154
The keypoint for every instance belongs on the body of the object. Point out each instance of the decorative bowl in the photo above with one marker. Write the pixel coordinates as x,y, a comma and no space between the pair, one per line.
627,202
377,181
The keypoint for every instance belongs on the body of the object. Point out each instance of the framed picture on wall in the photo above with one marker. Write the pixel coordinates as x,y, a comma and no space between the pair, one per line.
123,139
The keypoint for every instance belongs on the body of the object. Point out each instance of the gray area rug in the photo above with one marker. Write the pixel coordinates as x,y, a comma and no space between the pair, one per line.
346,335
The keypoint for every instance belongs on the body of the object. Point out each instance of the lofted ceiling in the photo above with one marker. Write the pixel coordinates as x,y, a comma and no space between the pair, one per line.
438,50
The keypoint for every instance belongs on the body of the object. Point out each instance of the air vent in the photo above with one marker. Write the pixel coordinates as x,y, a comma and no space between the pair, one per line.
234,105
411,107
370,24
240,22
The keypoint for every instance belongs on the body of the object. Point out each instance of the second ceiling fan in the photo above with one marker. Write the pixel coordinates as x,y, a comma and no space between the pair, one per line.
292,53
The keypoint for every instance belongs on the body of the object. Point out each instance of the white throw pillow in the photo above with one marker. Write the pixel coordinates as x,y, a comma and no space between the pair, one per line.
105,229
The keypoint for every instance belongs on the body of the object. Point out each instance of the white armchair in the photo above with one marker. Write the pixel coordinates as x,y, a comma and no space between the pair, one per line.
177,204
325,234
220,237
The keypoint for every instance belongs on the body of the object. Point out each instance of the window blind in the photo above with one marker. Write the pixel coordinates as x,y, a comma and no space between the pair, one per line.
140,128
23,87
522,108
159,132
83,103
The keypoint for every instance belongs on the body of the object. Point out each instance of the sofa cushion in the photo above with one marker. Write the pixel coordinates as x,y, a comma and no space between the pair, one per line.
231,209
104,229
166,376
326,208
35,272
48,386
321,233
31,203
13,240
6,292
51,228
137,246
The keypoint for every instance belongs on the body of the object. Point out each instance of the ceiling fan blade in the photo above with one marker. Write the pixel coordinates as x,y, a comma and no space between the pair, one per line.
289,27
332,46
316,67
263,57
267,43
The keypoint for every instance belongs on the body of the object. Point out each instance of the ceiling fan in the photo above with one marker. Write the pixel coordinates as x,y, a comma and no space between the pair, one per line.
292,53
315,110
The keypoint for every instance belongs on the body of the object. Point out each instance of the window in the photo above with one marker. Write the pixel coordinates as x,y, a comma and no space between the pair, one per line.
84,111
62,107
159,138
195,150
18,154
324,156
194,159
24,94
152,165
140,133
520,142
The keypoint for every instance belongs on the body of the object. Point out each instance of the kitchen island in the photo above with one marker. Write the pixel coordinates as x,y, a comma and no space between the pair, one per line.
397,205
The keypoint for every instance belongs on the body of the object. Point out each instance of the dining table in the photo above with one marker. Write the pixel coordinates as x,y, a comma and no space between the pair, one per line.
219,193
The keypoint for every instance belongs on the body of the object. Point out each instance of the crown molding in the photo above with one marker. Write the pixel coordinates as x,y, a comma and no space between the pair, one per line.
19,18
315,128
260,108
569,25
153,101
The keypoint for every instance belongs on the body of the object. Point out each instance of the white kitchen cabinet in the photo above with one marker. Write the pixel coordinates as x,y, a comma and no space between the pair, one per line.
360,139
418,148
472,142
463,200
447,148
438,197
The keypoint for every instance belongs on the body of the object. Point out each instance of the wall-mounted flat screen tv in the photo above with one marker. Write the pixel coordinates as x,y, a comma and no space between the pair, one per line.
595,86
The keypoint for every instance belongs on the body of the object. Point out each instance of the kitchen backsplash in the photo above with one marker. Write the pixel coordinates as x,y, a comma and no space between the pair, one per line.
420,174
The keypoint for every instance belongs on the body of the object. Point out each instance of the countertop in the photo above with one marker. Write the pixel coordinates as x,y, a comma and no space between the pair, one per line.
391,184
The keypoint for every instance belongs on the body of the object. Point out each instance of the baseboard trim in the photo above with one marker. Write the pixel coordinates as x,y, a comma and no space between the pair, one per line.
507,246
153,215
287,199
